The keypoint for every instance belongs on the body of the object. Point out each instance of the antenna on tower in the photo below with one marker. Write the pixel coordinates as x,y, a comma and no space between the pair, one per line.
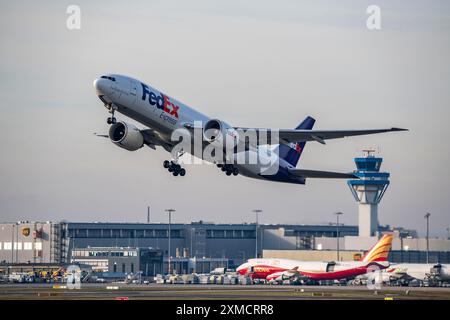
368,153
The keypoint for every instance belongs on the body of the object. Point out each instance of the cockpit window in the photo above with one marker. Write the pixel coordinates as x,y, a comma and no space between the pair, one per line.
109,78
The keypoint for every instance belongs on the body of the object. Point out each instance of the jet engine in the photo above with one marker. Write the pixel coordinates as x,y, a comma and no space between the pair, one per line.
220,134
126,136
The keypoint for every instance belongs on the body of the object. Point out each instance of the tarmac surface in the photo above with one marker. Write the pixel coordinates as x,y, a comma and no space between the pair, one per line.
120,291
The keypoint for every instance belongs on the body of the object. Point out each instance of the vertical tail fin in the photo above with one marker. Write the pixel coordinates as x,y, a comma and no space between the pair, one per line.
291,153
380,251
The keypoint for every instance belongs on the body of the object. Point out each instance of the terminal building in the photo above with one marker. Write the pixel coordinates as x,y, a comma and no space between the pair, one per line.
228,244
129,247
119,261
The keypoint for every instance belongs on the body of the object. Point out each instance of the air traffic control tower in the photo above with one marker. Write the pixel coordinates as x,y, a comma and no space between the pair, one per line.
368,191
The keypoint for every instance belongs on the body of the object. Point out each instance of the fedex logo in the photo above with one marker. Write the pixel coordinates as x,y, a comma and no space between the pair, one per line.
162,102
296,147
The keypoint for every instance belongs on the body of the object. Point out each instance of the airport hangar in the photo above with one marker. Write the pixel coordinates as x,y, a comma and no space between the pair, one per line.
200,247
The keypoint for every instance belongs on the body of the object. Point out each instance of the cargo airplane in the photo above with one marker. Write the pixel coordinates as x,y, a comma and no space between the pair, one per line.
277,270
164,116
419,271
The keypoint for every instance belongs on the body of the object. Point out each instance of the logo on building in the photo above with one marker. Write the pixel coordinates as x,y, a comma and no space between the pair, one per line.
26,232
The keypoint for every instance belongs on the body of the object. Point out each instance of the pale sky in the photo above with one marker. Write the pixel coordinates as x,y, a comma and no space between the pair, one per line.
259,64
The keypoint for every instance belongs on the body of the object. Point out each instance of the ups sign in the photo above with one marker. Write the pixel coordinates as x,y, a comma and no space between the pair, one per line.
26,232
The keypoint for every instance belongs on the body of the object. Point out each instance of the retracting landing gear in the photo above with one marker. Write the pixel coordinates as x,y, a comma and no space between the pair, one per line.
112,119
174,167
229,169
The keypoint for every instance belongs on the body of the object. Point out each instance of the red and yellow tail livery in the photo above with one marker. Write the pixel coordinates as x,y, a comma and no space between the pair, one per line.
380,251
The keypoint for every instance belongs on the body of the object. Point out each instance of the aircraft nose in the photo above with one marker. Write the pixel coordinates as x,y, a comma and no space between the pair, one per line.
242,269
100,86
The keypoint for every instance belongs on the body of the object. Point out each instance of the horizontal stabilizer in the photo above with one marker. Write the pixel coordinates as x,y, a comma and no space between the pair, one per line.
321,174
294,270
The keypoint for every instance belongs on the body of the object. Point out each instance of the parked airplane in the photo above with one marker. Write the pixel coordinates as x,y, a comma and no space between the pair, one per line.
276,270
163,116
419,271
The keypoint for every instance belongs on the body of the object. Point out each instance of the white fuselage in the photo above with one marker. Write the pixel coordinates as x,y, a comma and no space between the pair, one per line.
420,271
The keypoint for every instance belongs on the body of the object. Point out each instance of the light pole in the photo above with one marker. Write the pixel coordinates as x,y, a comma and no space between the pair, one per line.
427,216
169,211
192,247
337,232
257,212
448,233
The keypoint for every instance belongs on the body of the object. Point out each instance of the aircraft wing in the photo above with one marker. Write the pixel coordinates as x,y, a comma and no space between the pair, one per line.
321,174
152,139
283,275
293,135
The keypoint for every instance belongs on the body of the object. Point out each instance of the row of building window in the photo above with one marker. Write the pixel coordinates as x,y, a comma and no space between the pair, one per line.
20,246
156,233
97,265
103,265
230,234
123,268
123,233
86,253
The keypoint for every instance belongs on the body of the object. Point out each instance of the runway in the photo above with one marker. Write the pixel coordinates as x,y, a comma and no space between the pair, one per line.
201,292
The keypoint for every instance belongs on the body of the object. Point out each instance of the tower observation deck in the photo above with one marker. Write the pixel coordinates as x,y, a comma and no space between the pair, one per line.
368,191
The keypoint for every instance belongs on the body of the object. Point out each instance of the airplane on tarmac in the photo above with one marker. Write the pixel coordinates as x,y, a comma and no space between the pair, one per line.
277,270
419,271
163,116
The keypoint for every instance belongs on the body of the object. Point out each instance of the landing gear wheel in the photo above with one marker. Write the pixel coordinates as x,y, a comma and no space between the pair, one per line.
111,120
235,171
228,173
174,168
